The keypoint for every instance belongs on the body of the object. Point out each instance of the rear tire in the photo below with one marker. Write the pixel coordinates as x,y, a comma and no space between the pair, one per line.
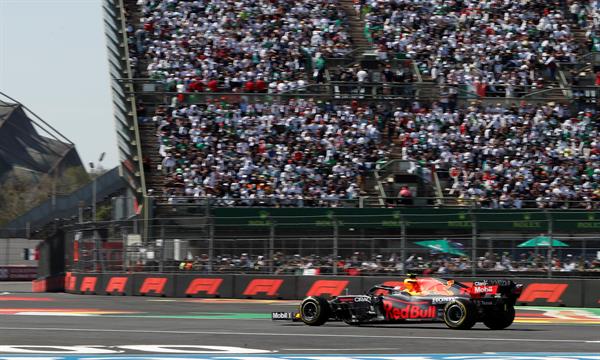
460,315
315,311
500,318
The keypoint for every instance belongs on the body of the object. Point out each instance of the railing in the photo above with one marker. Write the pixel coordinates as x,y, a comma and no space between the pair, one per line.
384,201
336,90
124,100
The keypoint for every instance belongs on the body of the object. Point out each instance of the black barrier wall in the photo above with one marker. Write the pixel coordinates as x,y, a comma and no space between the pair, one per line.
540,292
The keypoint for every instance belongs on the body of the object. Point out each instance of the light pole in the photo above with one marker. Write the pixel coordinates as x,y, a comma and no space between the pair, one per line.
94,185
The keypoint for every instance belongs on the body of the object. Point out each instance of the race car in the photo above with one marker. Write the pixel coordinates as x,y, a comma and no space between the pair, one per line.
430,299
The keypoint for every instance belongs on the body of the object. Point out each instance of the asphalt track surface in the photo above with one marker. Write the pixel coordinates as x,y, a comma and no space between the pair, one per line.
64,319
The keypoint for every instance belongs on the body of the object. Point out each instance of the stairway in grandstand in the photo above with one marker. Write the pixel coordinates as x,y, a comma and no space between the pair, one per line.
155,179
355,28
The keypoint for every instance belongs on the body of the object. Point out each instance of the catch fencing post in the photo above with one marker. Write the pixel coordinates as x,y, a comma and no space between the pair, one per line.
7,251
335,243
271,245
403,243
99,254
550,247
163,253
473,244
211,243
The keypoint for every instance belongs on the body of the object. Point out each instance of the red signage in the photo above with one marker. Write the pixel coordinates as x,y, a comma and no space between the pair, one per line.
70,281
331,287
155,284
265,286
551,292
88,284
38,285
75,251
116,284
210,286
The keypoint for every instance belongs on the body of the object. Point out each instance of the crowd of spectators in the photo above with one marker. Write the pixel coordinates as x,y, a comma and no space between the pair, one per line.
508,156
360,263
300,153
246,45
507,44
308,153
586,14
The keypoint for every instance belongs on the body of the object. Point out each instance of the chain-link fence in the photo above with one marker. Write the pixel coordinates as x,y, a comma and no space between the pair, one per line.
339,245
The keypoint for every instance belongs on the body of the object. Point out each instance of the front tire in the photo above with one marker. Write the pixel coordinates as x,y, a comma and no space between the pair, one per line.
500,318
460,315
315,311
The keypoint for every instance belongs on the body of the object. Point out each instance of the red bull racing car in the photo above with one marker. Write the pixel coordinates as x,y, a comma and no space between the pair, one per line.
458,305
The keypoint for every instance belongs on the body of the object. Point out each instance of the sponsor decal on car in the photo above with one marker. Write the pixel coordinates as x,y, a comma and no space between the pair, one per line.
362,298
497,282
442,299
483,289
282,315
410,311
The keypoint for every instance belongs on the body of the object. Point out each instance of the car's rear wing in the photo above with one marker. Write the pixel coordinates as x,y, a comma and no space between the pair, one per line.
495,287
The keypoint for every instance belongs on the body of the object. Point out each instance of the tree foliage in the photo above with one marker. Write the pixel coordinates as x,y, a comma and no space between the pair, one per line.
21,193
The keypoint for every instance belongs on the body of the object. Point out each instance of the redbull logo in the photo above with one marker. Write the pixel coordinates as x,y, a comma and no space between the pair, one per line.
408,312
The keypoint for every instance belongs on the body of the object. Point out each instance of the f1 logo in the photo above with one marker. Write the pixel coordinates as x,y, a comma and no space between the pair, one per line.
157,285
331,287
116,284
88,284
550,292
268,287
210,286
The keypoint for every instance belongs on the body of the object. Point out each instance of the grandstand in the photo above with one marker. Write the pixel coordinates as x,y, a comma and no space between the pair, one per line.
363,104
320,142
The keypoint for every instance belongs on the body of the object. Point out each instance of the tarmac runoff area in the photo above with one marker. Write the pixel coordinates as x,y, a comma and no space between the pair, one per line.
64,326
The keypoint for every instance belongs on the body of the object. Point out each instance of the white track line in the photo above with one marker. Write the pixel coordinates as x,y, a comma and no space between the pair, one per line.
345,349
407,337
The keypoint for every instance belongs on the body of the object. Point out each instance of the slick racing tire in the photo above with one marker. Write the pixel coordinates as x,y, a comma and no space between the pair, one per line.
500,318
315,310
460,315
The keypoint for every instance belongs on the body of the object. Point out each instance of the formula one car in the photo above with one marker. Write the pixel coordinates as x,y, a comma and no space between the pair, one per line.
458,305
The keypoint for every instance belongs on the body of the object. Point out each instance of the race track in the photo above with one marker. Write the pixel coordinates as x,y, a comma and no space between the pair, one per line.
126,323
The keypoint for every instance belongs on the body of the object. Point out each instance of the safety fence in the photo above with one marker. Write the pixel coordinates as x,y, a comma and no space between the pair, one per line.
544,292
285,242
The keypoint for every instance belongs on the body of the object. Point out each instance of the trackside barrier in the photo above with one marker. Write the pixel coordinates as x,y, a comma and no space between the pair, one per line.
540,292
49,284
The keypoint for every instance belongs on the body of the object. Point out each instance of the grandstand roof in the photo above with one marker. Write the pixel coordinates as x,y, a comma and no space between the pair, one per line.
23,151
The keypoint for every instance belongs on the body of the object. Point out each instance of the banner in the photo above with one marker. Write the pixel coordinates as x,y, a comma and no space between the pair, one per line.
414,218
18,273
539,292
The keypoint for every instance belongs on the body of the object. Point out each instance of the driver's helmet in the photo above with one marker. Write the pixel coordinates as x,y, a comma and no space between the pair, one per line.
411,284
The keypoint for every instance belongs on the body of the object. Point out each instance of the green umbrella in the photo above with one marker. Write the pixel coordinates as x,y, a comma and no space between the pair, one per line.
542,241
442,245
